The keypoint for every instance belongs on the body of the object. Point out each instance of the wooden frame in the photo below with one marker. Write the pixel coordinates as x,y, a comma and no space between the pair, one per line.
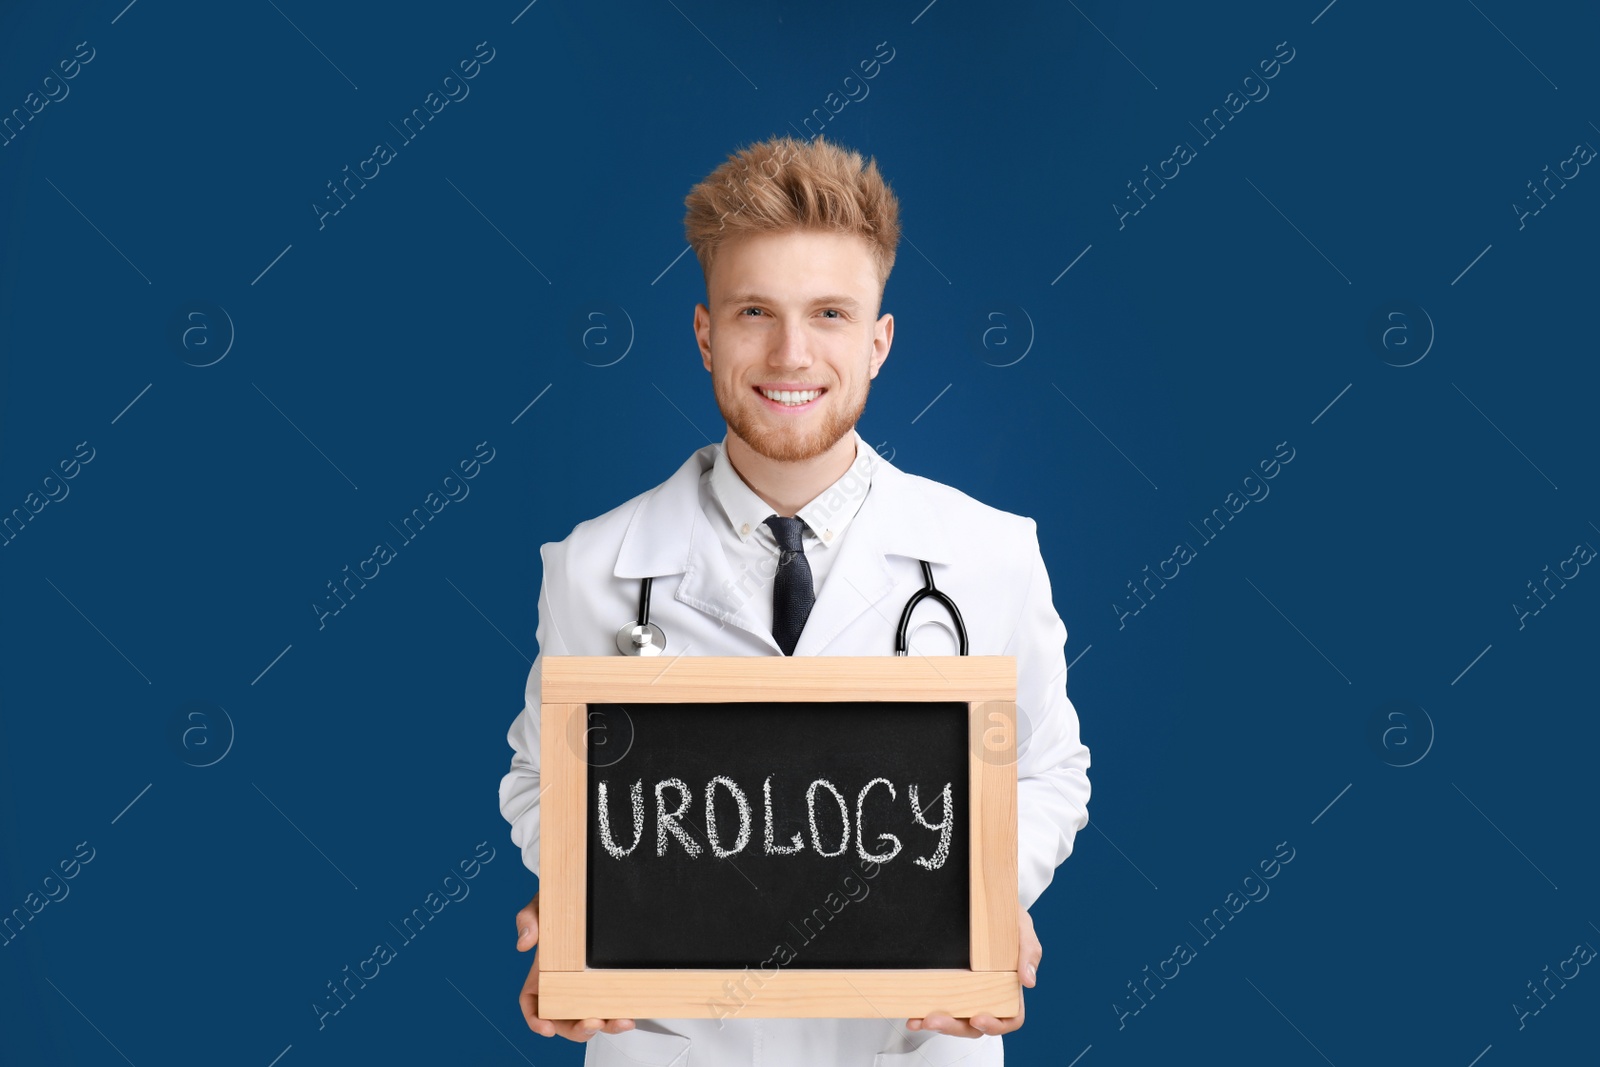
569,989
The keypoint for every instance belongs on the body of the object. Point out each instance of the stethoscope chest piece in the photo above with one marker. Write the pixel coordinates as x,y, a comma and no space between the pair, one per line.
636,640
642,638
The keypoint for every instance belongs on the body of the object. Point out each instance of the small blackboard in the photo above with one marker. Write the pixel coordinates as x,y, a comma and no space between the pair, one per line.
812,850
882,884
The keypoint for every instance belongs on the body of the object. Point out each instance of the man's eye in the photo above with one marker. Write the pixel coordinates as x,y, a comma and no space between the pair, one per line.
744,310
835,312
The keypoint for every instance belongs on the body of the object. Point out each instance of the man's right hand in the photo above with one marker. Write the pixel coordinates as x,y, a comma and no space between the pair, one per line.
571,1029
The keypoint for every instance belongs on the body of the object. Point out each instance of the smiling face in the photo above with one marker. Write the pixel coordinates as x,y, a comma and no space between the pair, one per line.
792,338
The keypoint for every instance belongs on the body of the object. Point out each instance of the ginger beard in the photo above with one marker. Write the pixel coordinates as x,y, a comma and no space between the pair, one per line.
783,438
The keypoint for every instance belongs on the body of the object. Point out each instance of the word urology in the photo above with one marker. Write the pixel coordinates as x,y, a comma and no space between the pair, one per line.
830,835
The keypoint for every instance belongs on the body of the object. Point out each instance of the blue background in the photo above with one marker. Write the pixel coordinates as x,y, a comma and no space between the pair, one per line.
1441,859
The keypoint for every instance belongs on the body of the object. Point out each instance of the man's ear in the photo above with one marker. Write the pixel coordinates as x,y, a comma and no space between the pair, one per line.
702,333
882,340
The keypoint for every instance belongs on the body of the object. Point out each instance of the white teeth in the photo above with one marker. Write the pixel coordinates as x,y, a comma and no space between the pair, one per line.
788,396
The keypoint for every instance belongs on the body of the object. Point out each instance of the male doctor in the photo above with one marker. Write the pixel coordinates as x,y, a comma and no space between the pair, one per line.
793,537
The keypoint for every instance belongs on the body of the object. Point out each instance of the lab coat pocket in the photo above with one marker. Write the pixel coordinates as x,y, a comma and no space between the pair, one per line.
941,1050
654,1048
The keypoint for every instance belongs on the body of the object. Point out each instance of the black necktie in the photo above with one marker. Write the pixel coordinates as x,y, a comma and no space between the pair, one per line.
792,594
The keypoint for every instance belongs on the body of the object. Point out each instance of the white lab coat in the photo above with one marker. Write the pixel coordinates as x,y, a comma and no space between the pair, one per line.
987,560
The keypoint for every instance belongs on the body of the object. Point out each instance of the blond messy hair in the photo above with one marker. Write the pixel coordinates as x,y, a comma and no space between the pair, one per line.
784,184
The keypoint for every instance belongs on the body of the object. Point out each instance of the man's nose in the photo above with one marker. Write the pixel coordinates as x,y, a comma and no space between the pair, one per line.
792,348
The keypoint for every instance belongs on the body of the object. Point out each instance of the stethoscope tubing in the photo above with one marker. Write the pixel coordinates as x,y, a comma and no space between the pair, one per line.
928,590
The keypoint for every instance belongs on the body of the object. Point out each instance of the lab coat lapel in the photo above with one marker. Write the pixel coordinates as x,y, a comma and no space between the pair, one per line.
896,519
653,546
711,586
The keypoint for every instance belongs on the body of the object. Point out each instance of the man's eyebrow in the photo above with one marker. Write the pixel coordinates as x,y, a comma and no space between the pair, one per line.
832,300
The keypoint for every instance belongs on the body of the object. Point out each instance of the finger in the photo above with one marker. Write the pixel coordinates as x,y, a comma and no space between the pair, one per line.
992,1024
561,1028
530,1013
579,1030
988,1024
1032,952
571,1029
584,1029
529,1001
527,927
617,1026
944,1023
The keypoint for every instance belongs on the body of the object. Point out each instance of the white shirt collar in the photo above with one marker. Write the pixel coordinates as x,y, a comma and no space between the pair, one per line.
825,517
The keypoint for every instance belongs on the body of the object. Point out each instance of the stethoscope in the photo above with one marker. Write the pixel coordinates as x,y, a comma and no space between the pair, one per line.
645,638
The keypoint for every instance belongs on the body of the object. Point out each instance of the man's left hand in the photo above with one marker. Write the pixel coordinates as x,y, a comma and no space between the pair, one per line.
1027,969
